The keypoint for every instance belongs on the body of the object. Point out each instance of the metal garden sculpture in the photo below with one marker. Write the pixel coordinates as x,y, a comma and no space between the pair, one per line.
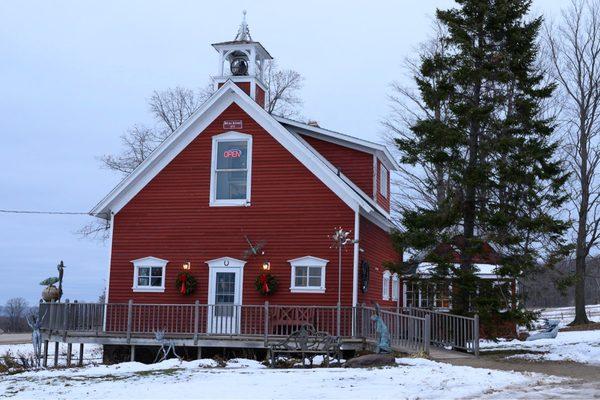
550,331
383,333
166,346
35,324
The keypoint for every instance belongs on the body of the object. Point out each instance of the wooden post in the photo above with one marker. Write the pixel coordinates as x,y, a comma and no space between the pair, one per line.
56,354
199,355
66,319
45,354
426,333
132,352
129,320
196,321
476,335
80,362
69,353
266,311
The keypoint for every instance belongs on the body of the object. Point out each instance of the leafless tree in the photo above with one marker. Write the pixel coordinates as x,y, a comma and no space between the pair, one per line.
574,52
424,182
171,108
16,311
283,86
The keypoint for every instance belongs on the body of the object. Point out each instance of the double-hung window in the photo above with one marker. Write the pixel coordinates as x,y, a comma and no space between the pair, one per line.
395,287
385,291
149,274
231,169
308,274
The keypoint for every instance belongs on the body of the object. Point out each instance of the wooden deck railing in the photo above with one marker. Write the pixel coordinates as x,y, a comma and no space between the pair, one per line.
411,329
450,330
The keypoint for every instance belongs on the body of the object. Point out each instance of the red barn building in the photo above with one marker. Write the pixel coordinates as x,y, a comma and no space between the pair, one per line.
236,191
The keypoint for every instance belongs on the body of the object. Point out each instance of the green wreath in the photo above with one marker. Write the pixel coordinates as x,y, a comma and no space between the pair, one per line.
266,284
186,283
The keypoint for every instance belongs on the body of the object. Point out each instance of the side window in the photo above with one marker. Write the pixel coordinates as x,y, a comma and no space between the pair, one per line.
308,274
395,287
383,181
149,274
385,289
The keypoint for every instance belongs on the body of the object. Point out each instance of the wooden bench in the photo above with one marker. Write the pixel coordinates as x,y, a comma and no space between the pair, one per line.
307,342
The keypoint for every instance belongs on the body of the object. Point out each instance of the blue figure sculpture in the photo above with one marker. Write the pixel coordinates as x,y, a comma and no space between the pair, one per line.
35,324
383,333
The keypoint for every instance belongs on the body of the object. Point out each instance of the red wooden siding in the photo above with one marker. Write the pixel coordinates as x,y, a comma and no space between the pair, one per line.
260,96
383,201
291,209
378,249
356,165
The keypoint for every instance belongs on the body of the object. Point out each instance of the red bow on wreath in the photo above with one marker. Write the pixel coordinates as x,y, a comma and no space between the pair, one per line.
263,282
182,279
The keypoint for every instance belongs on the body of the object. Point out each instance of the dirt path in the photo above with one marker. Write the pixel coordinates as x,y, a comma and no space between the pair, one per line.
583,381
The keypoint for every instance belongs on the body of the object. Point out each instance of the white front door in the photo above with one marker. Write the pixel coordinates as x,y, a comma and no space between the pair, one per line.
225,295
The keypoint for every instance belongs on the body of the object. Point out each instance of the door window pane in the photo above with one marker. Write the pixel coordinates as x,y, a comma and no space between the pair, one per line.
224,294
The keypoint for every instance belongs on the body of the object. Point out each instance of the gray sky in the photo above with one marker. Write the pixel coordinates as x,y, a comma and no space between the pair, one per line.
75,75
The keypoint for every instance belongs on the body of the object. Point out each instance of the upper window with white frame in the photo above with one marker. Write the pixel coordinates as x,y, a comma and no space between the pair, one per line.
385,289
231,169
383,180
149,274
308,274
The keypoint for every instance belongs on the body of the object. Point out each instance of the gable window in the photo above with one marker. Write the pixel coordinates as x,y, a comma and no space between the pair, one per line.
385,290
231,169
149,274
395,287
308,274
383,181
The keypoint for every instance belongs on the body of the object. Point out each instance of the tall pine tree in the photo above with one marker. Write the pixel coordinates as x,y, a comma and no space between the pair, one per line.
497,147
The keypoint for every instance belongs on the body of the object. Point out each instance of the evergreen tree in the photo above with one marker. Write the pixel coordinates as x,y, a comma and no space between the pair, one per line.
498,150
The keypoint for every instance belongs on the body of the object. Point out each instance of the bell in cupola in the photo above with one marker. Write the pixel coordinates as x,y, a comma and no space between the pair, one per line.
238,64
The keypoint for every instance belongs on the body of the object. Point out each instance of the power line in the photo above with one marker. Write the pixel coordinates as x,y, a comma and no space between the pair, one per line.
46,212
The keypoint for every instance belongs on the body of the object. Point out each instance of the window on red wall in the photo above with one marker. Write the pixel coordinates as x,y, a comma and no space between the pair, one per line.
383,181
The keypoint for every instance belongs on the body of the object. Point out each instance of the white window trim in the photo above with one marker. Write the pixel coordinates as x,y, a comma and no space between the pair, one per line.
308,261
383,180
148,262
230,136
385,286
395,287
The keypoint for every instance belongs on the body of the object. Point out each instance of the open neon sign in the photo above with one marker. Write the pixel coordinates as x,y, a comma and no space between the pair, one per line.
232,153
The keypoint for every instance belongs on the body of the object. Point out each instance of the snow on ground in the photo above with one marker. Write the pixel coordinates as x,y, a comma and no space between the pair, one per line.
92,353
578,346
248,379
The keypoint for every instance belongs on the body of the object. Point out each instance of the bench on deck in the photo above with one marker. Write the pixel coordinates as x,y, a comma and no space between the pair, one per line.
307,342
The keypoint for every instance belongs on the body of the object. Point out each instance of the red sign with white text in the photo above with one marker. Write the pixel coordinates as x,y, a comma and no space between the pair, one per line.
232,124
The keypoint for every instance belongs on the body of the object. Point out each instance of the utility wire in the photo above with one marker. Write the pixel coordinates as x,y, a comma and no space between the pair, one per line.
46,212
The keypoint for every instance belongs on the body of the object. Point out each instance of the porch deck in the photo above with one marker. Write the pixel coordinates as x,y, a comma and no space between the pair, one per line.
249,326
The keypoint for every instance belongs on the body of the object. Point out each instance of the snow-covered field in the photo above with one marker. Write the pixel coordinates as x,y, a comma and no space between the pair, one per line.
247,379
578,346
92,353
566,314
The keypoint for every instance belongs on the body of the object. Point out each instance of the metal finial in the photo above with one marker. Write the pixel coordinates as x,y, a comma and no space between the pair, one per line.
243,32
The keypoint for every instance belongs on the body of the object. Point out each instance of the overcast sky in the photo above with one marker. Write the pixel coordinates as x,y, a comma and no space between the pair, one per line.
75,75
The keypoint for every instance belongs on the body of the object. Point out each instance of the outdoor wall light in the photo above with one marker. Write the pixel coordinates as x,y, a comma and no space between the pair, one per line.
187,266
266,266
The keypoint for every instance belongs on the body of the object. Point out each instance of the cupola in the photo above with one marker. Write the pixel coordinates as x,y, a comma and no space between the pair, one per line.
244,62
